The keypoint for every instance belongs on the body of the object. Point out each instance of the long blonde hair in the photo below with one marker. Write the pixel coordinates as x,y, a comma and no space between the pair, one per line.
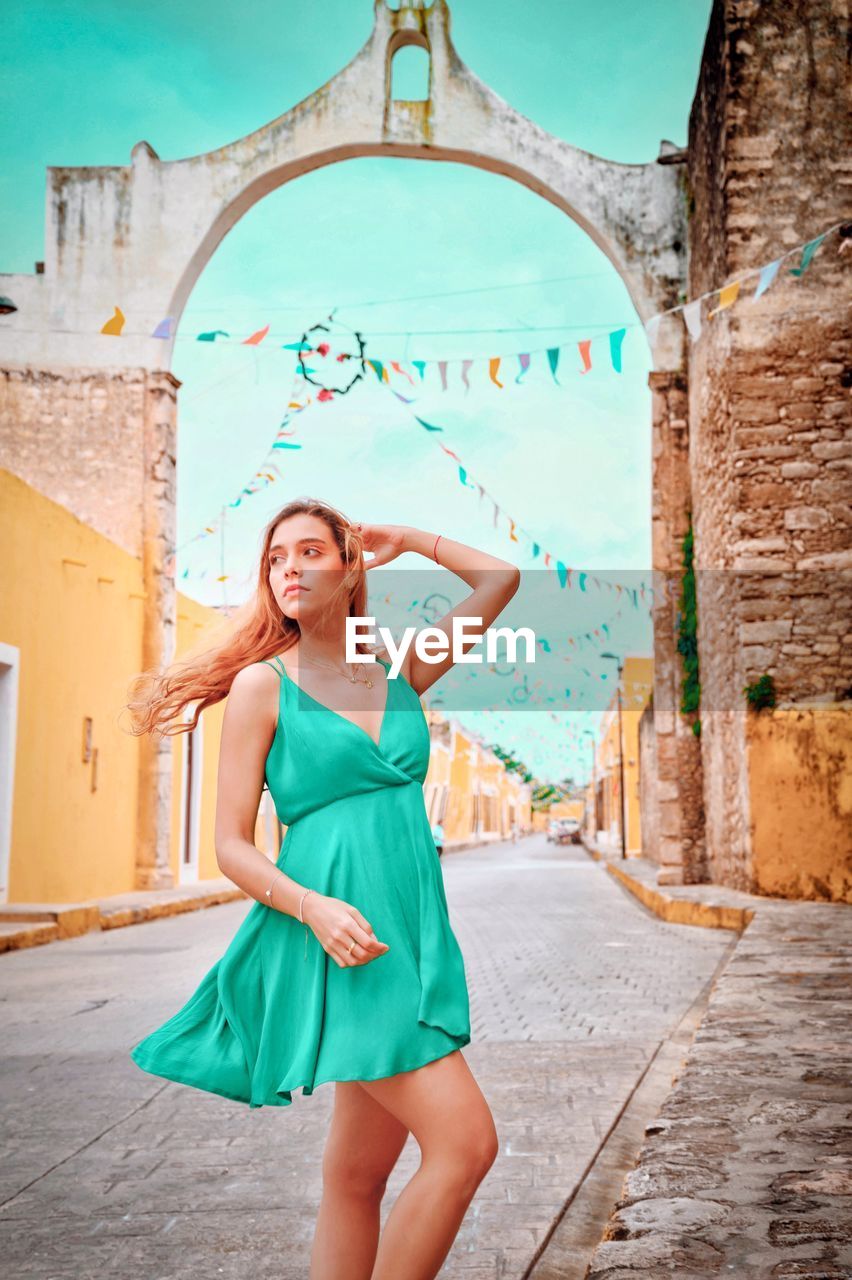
259,630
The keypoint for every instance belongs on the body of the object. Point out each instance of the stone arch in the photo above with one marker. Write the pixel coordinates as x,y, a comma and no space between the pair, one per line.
138,236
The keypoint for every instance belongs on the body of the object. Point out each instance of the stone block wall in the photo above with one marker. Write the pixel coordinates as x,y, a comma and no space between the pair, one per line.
769,408
675,839
75,436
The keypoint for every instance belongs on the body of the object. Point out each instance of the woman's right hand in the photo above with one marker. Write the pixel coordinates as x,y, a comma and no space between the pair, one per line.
335,923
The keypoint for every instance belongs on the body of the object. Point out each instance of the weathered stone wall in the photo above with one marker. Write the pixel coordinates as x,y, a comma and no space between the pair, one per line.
75,435
678,830
769,408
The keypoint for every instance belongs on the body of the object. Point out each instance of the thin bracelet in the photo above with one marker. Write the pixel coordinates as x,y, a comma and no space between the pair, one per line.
435,548
269,890
301,921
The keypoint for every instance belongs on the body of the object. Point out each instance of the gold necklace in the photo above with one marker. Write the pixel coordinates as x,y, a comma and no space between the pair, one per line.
345,674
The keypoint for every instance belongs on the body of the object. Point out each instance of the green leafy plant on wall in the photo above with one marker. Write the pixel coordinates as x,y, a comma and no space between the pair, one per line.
687,639
761,694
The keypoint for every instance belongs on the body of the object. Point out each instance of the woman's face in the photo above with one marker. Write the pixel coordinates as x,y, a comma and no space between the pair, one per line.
305,567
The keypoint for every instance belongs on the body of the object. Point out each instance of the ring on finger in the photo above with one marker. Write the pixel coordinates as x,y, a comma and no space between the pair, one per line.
349,951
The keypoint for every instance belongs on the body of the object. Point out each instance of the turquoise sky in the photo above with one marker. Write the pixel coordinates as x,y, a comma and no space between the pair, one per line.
570,464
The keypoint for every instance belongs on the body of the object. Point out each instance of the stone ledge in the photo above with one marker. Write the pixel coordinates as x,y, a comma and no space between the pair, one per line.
15,937
29,924
705,905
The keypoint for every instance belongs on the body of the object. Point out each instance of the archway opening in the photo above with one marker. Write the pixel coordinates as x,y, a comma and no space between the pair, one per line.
472,266
410,71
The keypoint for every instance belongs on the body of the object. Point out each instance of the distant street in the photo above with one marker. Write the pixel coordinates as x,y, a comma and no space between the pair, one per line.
112,1173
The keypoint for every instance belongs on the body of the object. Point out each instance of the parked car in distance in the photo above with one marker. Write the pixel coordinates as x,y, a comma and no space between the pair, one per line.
564,831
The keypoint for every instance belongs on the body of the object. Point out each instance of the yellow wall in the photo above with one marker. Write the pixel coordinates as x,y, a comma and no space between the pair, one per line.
565,809
71,604
800,785
637,678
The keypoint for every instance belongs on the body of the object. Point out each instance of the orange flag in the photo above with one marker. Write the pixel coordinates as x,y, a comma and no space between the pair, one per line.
256,338
115,324
396,365
727,296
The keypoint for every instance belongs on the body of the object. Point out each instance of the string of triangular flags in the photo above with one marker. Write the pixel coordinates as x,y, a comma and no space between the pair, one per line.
269,471
691,312
563,572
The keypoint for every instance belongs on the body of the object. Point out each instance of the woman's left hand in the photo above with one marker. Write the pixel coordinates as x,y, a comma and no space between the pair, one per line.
386,541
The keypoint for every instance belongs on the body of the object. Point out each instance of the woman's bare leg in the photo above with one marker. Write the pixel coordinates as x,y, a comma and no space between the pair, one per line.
363,1145
443,1106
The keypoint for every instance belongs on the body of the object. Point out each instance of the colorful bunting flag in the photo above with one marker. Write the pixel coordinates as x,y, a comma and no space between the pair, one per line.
727,296
256,338
807,253
692,316
115,324
616,338
767,275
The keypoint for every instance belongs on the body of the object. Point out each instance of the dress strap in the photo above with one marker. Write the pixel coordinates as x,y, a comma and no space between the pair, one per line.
279,667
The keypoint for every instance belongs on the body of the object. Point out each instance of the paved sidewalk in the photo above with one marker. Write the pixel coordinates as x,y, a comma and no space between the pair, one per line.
112,1173
32,924
747,1171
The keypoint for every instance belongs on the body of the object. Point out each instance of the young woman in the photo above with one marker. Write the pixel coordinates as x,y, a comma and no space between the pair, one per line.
346,968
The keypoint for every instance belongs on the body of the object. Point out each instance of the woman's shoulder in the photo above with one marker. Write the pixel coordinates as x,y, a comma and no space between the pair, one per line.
256,675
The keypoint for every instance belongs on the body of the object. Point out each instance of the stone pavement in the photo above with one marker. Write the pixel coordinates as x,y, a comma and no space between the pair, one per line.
112,1173
747,1171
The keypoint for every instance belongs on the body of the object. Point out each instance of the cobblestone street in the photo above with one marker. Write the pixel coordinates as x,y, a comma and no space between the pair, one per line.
112,1173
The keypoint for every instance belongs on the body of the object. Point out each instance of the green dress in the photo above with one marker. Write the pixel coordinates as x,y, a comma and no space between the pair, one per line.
276,1012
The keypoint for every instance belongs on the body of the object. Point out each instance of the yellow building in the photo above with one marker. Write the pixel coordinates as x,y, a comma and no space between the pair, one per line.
70,642
617,734
469,790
